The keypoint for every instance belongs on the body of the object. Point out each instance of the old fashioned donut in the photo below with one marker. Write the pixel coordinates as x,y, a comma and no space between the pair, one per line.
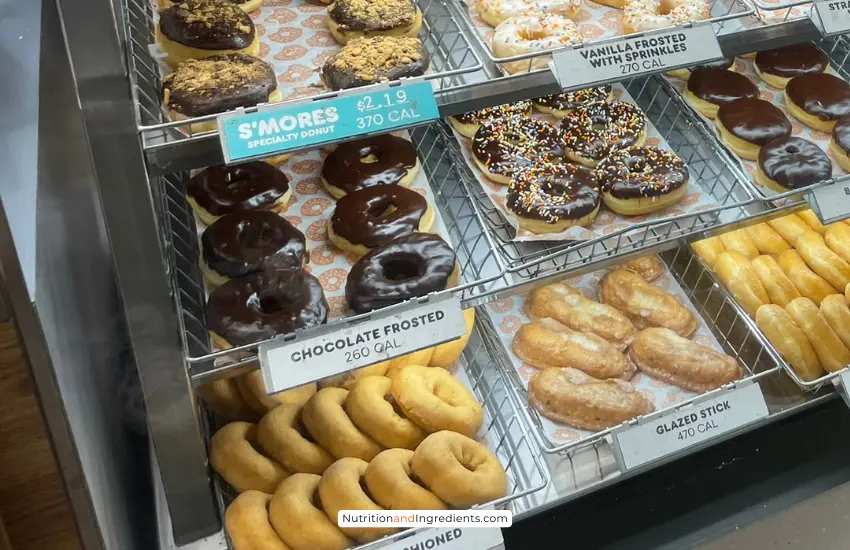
261,305
592,132
219,190
298,520
326,421
235,456
560,105
446,355
253,390
391,483
372,217
647,15
708,89
818,100
531,33
350,19
791,163
551,198
641,180
501,146
494,12
747,124
365,61
435,401
247,523
459,470
248,241
341,488
468,123
407,267
362,163
281,433
224,399
372,408
780,65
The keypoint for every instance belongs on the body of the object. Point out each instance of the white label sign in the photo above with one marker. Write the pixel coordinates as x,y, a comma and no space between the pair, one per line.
289,364
633,56
834,16
450,538
832,202
690,425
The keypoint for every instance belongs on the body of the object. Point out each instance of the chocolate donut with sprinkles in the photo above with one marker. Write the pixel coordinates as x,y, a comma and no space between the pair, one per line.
469,123
560,105
502,146
641,180
591,133
551,198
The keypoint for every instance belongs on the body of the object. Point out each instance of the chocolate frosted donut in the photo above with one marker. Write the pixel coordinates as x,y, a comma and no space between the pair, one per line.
592,132
754,120
362,163
790,61
468,123
710,88
818,99
549,198
560,105
261,305
365,61
501,146
247,241
219,190
792,163
350,19
197,28
685,72
405,268
640,180
839,145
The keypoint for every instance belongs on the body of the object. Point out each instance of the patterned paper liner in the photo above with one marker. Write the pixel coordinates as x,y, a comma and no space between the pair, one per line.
782,14
509,314
694,200
747,68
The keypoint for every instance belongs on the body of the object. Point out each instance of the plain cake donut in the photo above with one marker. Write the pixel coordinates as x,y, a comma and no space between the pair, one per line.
282,434
435,400
235,455
446,355
223,397
392,484
325,418
372,408
253,390
299,521
248,525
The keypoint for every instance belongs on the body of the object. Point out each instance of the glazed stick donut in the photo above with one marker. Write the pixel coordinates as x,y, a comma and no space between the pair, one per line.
459,470
297,519
224,399
248,525
532,32
446,355
739,241
776,283
253,390
493,12
708,249
648,267
832,353
837,238
325,419
766,239
737,275
822,260
834,309
281,434
789,340
370,406
647,15
808,283
390,481
789,227
812,220
234,455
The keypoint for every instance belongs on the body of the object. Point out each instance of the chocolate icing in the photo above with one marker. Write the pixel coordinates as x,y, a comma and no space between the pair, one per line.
755,121
640,172
252,240
337,78
504,144
520,108
553,192
223,189
841,134
372,15
794,162
261,305
569,101
406,267
719,64
720,86
822,95
344,167
207,25
362,217
595,130
791,61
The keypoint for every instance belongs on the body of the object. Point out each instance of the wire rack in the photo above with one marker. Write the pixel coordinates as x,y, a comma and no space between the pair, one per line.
441,35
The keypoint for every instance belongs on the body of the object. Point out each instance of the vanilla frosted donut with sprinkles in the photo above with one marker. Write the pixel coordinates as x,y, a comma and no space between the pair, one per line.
647,15
534,32
494,12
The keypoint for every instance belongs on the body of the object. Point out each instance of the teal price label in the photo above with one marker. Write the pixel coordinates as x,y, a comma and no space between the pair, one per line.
272,131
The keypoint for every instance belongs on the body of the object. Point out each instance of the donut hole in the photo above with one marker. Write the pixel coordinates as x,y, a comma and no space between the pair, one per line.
394,404
365,488
531,34
315,499
792,149
665,7
382,209
368,156
402,267
272,303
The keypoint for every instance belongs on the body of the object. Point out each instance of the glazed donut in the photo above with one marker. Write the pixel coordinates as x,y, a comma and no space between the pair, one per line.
493,12
685,72
222,397
326,421
780,65
372,217
281,433
194,29
747,124
592,132
791,163
552,197
839,143
405,268
532,33
391,483
234,455
248,241
647,15
560,105
261,305
818,100
641,180
253,390
365,61
347,380
459,470
435,401
812,221
247,523
502,146
446,355
350,19
299,522
708,89
341,488
370,405
468,123
368,162
219,190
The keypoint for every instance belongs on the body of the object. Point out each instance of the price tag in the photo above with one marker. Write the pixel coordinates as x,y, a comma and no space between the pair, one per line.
286,364
633,56
450,538
689,426
831,202
834,16
276,130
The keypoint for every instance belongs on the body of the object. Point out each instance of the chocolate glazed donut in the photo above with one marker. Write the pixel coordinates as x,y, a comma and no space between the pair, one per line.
791,61
719,86
820,95
220,190
406,268
374,216
261,305
792,163
754,120
378,160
